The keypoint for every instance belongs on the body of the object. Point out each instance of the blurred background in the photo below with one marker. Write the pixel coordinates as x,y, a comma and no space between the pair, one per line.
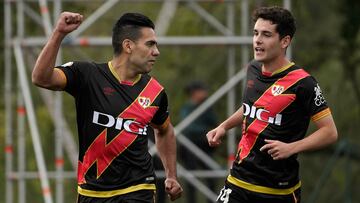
204,46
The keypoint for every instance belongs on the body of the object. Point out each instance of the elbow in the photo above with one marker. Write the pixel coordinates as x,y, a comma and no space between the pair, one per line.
40,80
334,135
36,80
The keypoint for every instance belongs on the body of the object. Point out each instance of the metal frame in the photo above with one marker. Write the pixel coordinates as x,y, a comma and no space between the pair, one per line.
14,44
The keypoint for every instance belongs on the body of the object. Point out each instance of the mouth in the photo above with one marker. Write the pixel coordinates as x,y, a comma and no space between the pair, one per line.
259,50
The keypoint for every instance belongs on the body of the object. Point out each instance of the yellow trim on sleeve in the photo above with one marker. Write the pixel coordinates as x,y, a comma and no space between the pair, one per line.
262,189
162,126
62,76
321,114
104,194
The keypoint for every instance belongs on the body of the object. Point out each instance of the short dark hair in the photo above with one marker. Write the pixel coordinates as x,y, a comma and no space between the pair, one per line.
128,27
285,22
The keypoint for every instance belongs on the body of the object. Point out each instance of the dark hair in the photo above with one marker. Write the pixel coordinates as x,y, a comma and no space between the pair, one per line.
285,22
128,27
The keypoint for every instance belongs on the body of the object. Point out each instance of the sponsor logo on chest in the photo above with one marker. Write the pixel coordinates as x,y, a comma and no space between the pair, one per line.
261,114
118,123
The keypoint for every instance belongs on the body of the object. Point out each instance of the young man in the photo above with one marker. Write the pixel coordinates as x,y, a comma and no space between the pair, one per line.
115,103
279,101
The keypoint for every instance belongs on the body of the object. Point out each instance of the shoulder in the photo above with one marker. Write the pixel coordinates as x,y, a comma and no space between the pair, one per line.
256,65
80,65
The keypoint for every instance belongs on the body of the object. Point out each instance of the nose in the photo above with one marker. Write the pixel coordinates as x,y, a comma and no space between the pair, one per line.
156,51
257,39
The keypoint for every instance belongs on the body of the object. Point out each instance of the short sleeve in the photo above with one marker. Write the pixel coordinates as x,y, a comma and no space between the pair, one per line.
313,99
75,76
161,117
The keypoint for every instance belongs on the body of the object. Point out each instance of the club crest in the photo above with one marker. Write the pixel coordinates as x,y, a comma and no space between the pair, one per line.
144,102
277,90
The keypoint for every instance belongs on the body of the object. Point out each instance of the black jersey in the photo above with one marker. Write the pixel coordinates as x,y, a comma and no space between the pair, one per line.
112,121
276,107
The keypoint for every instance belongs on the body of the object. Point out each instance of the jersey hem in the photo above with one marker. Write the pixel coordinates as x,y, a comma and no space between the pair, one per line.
111,193
262,189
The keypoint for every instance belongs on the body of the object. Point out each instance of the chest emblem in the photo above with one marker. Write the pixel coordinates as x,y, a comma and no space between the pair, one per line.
277,90
144,102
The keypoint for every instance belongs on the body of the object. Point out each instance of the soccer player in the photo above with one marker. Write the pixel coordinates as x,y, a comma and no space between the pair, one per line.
116,103
279,101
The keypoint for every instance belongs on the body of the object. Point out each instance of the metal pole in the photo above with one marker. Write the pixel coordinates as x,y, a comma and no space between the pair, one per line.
209,18
197,112
91,19
231,96
21,114
32,123
44,10
165,16
9,196
163,41
287,5
59,153
68,140
193,180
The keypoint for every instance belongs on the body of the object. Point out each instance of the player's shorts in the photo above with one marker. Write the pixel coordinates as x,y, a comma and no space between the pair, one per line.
140,196
234,194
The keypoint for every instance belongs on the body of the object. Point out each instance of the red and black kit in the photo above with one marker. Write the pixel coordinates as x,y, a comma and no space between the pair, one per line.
276,106
113,118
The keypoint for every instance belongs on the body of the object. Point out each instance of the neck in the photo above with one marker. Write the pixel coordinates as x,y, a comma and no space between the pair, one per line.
123,70
274,65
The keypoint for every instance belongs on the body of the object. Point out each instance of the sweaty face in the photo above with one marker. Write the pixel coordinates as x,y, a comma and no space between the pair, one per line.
267,44
144,51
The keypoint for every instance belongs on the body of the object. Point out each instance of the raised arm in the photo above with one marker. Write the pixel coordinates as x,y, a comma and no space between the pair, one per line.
166,145
44,74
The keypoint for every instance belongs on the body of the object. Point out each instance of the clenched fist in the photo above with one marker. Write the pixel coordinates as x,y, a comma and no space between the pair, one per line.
68,22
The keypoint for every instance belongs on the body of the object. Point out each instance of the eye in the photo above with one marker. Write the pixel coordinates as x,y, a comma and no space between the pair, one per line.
267,34
151,43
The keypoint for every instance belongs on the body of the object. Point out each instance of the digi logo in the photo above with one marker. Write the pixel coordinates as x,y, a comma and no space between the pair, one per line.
261,114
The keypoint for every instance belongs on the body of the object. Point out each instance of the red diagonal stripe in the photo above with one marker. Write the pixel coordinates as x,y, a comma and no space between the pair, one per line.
267,100
103,154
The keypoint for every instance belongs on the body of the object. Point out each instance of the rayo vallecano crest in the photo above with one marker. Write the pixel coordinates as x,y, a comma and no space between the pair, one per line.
277,89
144,102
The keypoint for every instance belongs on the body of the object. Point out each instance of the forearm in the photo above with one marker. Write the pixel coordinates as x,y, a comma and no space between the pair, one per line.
44,66
325,135
166,146
234,120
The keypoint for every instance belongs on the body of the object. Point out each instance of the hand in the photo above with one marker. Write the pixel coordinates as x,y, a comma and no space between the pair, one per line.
277,150
173,188
68,22
214,136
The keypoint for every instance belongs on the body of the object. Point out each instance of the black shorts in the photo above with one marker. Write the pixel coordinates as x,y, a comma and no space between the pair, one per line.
140,196
233,194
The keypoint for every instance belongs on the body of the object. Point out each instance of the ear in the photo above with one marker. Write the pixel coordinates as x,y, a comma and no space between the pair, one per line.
285,41
127,46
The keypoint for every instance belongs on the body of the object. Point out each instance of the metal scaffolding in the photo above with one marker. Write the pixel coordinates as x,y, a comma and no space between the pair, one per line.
16,47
